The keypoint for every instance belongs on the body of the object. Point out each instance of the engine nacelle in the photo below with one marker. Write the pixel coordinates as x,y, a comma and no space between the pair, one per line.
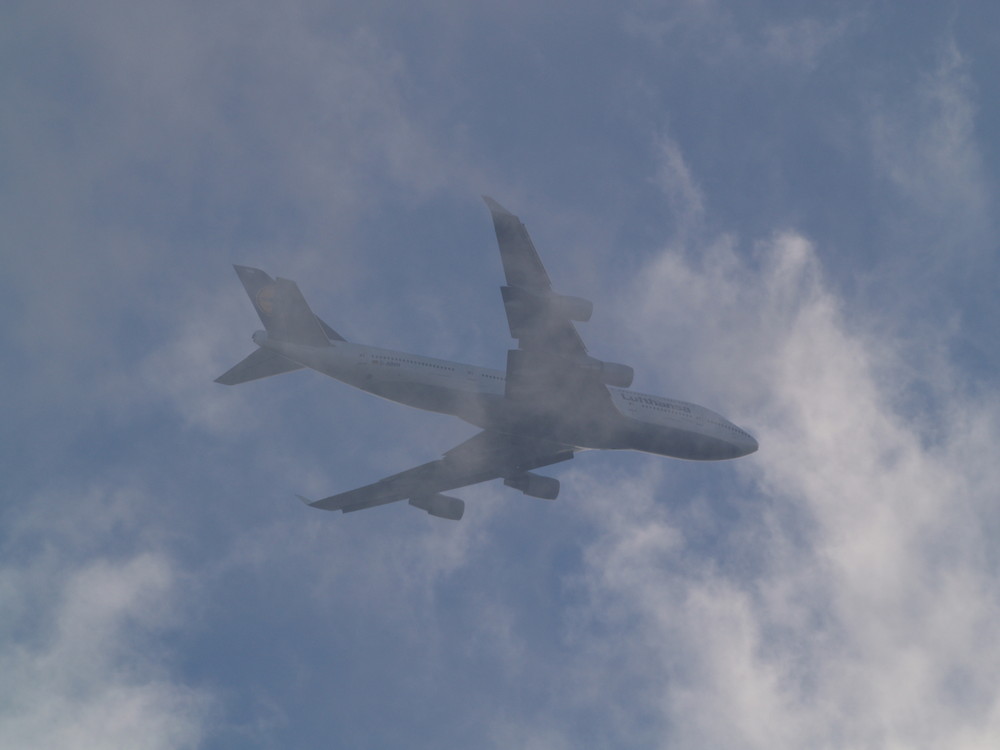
534,485
574,308
441,506
614,374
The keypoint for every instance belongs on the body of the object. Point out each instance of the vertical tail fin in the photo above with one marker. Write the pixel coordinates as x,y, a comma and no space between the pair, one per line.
283,310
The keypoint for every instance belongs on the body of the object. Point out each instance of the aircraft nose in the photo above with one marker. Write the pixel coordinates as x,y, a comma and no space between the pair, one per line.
748,444
744,443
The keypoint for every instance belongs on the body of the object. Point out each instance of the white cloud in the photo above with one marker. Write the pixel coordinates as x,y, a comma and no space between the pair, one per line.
724,33
78,665
704,20
852,602
684,198
801,43
87,599
196,131
864,610
925,147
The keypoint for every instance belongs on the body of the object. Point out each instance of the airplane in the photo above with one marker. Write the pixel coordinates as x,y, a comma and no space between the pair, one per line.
552,401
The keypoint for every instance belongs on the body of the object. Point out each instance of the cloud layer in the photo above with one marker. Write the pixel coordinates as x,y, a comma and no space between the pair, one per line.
854,606
786,218
82,660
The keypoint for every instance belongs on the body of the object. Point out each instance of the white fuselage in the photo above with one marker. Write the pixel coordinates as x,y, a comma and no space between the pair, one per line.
476,394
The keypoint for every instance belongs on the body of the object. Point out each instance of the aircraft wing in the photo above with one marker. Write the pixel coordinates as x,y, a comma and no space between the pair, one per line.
488,455
534,321
551,369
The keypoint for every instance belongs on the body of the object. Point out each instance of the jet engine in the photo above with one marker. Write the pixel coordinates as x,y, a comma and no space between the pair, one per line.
534,485
525,304
574,308
614,374
441,506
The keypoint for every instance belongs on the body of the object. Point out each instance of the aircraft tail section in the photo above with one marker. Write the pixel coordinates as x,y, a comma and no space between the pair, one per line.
286,316
283,310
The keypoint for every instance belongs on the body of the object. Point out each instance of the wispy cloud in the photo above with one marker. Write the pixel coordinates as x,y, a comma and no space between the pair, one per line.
802,42
926,148
81,664
838,588
862,609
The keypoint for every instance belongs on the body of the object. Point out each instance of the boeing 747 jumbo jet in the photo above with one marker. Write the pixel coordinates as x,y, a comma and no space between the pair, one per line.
552,401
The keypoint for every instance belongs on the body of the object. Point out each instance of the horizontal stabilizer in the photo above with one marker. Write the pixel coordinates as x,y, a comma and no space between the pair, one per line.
261,364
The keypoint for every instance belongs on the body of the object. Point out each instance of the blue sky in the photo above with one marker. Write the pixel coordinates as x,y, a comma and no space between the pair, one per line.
785,214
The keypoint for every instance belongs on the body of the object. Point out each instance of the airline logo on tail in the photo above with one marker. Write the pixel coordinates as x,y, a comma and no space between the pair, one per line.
265,299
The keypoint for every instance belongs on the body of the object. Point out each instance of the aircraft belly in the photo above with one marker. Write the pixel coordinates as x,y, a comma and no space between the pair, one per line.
678,442
580,424
427,396
580,428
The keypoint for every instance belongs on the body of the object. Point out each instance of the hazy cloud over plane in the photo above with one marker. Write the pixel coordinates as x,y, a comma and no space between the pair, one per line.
796,214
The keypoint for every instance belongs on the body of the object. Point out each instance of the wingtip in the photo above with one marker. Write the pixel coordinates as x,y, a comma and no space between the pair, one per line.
305,500
494,206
